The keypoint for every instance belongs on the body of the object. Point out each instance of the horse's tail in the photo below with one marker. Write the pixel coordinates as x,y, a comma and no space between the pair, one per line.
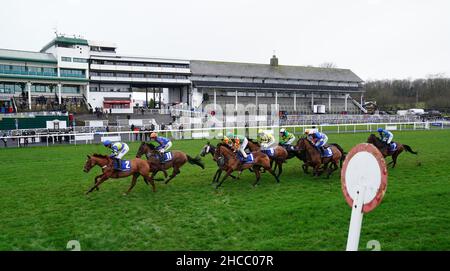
408,149
342,152
196,161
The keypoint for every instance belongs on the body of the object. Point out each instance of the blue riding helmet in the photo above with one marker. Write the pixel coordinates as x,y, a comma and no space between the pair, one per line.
106,143
380,130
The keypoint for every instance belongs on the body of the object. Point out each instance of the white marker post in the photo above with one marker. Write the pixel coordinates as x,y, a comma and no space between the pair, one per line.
364,182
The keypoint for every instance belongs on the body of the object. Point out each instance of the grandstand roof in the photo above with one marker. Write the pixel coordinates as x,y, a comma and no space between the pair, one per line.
17,55
218,68
65,40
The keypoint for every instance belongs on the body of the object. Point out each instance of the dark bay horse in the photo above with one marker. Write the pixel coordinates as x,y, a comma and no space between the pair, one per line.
208,148
138,167
228,160
179,158
373,139
279,157
315,160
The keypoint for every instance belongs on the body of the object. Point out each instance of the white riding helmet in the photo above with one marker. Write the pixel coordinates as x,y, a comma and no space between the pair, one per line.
282,130
310,132
260,131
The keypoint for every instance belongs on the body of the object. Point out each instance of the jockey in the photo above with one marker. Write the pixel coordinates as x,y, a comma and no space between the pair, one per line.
385,136
286,138
267,140
119,149
164,144
240,143
319,139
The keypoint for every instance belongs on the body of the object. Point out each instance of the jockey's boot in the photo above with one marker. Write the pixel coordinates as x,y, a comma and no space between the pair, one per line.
161,158
116,164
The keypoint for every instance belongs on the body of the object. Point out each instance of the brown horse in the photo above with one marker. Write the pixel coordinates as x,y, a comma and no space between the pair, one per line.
279,157
373,139
179,158
137,167
208,148
315,160
228,160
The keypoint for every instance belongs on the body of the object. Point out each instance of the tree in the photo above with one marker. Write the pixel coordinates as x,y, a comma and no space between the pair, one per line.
329,65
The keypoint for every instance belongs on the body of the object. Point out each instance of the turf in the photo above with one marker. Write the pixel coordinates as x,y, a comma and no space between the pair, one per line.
43,204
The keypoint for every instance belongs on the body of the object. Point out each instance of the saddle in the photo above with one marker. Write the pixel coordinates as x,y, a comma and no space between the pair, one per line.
243,160
121,165
269,152
166,157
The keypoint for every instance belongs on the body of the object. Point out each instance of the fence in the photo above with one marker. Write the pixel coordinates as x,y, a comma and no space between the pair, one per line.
46,139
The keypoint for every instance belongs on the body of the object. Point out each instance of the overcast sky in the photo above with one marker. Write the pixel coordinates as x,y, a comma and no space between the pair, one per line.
377,39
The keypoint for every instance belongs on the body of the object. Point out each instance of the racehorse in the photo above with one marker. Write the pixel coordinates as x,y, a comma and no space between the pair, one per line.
373,139
228,160
208,148
315,160
279,157
137,167
179,158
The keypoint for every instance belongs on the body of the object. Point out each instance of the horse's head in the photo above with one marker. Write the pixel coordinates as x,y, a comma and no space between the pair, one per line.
372,139
142,150
90,163
301,144
205,149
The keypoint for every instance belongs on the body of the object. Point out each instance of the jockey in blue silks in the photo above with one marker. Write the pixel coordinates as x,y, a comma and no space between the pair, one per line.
385,136
164,144
319,139
119,149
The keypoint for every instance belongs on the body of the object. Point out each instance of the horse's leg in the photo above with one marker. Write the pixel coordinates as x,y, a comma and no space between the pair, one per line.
102,179
267,167
394,158
174,173
258,175
133,183
95,180
224,177
149,179
217,175
280,167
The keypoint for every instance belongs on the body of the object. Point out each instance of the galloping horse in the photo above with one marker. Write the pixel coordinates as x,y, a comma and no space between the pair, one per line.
228,161
373,139
208,148
179,158
137,167
279,157
315,160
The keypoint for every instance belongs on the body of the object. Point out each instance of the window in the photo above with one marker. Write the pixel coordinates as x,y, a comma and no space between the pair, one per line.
107,74
72,73
66,59
152,76
80,60
70,89
166,76
34,70
123,75
137,64
137,75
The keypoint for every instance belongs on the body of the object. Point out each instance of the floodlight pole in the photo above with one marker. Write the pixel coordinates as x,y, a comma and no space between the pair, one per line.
354,230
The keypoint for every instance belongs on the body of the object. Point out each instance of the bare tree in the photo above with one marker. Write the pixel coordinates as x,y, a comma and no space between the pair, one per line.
328,65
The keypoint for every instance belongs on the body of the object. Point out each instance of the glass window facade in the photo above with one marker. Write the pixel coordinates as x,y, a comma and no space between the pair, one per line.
27,70
80,60
66,59
10,88
72,73
70,89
